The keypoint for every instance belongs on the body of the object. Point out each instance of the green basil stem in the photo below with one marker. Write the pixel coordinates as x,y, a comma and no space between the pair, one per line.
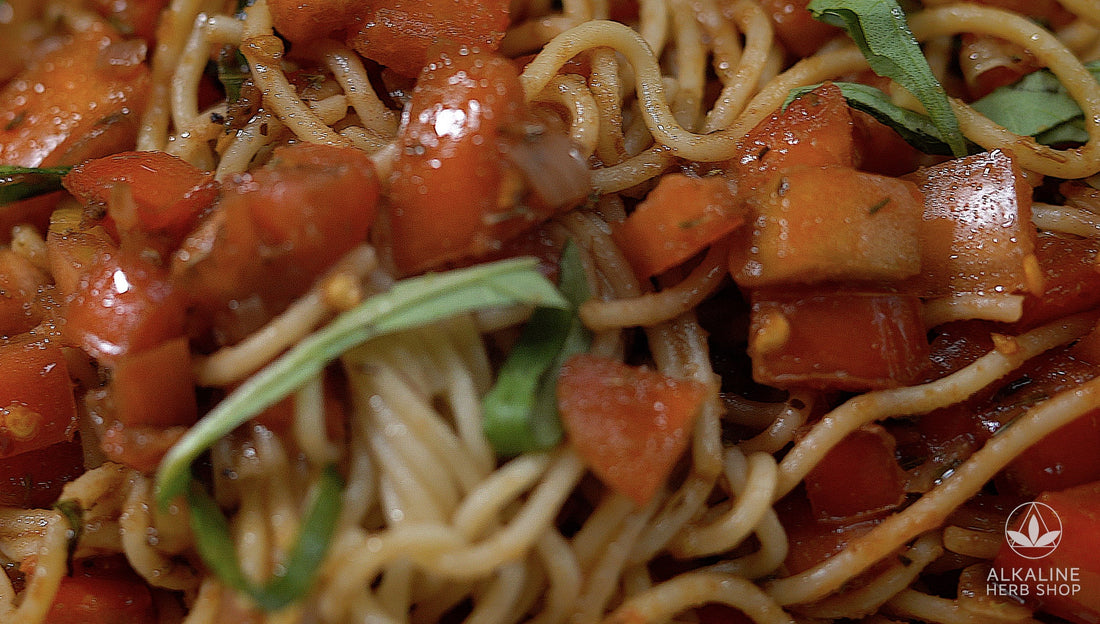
519,414
880,30
410,303
18,183
215,544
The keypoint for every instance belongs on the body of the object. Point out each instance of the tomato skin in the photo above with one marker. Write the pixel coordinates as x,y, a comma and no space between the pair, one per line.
154,386
102,600
454,192
813,540
836,340
132,17
1071,281
400,33
124,305
678,219
169,194
800,33
630,424
73,103
815,130
33,480
293,218
857,478
976,235
1078,509
36,396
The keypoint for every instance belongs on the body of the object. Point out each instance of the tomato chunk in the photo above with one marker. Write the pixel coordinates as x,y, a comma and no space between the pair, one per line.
976,236
837,340
124,305
800,33
119,599
678,219
399,33
816,224
79,101
1071,281
293,218
154,386
169,194
1076,555
630,424
36,397
814,130
472,164
857,478
33,480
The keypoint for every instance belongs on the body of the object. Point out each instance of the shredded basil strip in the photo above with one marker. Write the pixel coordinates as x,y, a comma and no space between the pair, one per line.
882,33
73,513
18,183
215,545
519,414
233,70
410,303
1038,105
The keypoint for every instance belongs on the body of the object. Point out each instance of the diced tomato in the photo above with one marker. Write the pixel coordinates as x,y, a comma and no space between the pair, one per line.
1076,553
37,408
124,305
1071,279
154,386
33,480
102,600
813,540
815,130
140,447
678,219
461,185
293,218
20,282
630,424
399,33
857,478
976,236
309,21
132,17
800,33
169,194
880,149
79,101
817,224
20,31
837,340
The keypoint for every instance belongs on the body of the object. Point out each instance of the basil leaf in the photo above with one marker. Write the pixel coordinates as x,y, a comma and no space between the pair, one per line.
215,545
408,304
519,414
233,70
880,30
917,129
1038,105
18,183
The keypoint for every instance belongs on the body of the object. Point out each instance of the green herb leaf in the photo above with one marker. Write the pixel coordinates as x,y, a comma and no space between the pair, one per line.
882,33
74,514
1038,105
917,129
410,303
18,183
520,413
215,545
233,70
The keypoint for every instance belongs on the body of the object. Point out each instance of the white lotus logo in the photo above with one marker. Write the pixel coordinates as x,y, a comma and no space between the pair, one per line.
1039,530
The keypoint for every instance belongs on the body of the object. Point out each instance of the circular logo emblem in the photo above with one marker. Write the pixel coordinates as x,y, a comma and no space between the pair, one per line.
1033,530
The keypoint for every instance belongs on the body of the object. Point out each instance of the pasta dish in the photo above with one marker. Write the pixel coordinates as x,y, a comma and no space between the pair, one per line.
549,311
